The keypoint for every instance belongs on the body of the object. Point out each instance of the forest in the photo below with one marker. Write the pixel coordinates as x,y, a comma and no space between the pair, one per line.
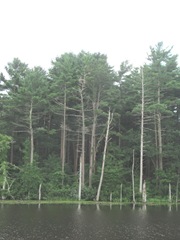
82,130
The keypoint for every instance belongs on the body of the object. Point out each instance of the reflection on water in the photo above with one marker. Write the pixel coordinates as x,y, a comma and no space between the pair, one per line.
85,222
79,206
133,206
144,207
97,207
176,207
170,207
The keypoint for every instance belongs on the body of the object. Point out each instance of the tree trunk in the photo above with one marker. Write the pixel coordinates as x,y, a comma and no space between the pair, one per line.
170,195
177,190
31,133
76,154
104,155
81,90
134,200
80,178
160,141
121,193
159,130
156,142
144,195
40,185
4,176
63,137
93,145
110,197
142,133
4,186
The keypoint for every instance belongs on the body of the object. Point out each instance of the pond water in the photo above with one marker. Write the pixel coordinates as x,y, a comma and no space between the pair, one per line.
85,222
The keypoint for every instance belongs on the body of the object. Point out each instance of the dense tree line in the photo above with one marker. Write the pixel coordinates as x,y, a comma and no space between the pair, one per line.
50,122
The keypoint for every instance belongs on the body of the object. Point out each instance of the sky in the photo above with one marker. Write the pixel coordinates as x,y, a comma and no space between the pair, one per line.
37,31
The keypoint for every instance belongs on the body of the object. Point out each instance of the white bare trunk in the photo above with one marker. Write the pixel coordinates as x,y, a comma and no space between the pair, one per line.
104,155
4,175
31,134
144,194
40,186
80,179
95,106
121,193
133,188
160,141
93,147
159,129
110,197
156,141
142,133
4,186
83,146
170,196
81,90
63,147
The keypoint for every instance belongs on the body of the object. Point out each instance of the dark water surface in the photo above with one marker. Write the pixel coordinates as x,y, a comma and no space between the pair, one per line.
21,222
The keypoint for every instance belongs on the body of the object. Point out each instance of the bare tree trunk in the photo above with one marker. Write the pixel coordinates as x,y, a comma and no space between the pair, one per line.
81,90
40,186
80,178
142,133
4,177
170,195
83,145
31,134
177,190
156,142
121,193
92,153
104,154
134,200
159,130
93,145
160,141
110,197
144,194
63,147
4,186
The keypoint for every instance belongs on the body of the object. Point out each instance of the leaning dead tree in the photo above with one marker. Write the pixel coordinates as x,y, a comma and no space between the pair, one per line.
110,117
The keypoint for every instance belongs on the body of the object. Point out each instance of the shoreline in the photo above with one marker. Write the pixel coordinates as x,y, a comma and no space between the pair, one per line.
45,202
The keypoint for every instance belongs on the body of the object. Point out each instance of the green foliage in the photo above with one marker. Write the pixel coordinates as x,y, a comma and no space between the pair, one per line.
88,194
52,175
35,103
4,146
7,177
27,182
